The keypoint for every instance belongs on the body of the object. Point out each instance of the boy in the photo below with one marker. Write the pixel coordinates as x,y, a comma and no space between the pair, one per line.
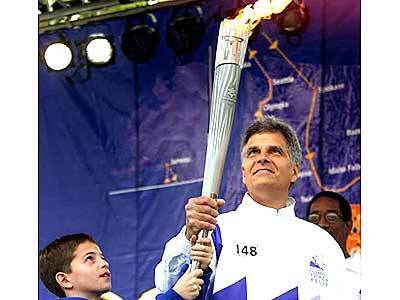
73,267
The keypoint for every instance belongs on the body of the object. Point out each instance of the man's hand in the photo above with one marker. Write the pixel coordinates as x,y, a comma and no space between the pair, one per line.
200,214
189,285
201,252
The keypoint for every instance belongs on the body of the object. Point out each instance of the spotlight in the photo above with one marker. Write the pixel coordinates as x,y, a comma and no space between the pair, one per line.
58,56
140,41
186,29
99,50
294,19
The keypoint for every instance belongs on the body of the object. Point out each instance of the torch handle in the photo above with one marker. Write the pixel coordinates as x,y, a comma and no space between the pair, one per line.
202,234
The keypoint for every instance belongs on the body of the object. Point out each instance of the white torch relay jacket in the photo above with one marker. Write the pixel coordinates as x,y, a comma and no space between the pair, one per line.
353,272
266,254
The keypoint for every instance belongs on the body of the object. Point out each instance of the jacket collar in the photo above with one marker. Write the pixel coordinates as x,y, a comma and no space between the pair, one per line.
250,204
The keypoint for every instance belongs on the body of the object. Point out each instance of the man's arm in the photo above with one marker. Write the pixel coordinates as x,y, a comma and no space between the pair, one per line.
201,213
176,254
336,266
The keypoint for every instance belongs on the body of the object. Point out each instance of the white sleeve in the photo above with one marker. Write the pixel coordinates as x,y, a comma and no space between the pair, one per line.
176,254
325,272
337,284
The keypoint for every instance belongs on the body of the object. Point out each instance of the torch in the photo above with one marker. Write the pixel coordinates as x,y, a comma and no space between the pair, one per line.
231,51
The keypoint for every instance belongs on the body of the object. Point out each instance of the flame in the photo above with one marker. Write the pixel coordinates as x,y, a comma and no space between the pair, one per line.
252,14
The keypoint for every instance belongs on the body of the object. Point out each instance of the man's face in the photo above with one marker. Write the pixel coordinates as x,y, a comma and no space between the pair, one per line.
266,163
90,274
326,209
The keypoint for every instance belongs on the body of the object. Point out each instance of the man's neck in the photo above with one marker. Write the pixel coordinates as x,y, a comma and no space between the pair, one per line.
273,200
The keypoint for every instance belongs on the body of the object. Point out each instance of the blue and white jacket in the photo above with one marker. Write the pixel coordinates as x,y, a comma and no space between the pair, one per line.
263,253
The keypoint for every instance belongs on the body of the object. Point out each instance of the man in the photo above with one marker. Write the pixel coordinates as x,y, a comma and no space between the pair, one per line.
332,212
263,251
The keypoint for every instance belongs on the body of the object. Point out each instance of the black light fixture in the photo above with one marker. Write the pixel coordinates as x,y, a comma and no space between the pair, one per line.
185,30
293,21
41,8
99,50
58,55
140,41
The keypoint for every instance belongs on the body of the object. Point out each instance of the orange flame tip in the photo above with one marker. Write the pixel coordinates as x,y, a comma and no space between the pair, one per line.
252,14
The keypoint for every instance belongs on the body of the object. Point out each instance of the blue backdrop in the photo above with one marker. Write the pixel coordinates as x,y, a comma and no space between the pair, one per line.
121,152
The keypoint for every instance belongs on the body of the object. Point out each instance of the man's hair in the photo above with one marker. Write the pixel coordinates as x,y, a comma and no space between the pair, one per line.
57,257
270,124
344,205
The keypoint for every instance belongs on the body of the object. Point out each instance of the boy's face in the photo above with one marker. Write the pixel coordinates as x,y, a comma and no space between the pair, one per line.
90,274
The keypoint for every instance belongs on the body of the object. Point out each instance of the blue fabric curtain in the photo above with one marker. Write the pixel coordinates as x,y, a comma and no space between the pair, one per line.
121,150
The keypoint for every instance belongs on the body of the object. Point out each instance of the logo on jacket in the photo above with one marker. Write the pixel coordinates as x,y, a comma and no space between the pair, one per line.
318,272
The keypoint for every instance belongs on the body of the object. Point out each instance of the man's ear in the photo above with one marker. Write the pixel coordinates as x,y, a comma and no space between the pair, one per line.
63,280
295,173
349,225
243,179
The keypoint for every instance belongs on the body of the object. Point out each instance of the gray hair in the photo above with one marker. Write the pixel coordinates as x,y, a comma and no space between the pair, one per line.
272,124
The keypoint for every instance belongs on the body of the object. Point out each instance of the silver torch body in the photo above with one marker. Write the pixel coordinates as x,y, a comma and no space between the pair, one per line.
231,51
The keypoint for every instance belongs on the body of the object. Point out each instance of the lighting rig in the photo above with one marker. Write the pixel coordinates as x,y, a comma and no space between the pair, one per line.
139,41
184,29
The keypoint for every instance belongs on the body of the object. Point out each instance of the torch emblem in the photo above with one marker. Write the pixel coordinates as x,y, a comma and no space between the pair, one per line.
230,96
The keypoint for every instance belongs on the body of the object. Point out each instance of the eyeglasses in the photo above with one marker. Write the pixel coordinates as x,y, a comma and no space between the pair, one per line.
330,217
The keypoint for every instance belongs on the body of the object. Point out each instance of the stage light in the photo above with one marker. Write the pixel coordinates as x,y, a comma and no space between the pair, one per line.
99,50
140,41
294,19
186,29
58,56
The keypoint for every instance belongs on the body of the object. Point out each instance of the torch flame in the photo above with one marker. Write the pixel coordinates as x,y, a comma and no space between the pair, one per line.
252,14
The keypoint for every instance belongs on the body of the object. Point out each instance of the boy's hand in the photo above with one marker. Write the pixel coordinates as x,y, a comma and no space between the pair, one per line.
189,285
202,251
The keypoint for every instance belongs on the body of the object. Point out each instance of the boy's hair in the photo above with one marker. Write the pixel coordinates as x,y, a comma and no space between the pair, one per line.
57,257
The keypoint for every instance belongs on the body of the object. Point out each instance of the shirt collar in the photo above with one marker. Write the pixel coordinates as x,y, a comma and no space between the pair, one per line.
250,204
